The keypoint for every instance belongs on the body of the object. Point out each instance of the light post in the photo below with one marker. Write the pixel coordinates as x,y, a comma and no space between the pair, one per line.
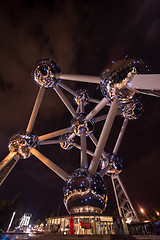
157,215
143,213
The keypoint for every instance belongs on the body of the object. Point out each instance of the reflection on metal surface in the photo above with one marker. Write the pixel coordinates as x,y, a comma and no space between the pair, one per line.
80,124
132,110
114,80
67,142
114,164
21,142
83,193
82,95
44,73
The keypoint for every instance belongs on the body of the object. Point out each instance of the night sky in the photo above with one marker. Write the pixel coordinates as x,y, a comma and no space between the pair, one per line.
83,37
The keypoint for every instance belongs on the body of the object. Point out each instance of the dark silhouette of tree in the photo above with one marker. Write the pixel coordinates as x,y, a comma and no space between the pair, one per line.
59,210
7,208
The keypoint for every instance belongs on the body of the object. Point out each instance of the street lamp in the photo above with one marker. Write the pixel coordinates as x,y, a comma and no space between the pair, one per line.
145,216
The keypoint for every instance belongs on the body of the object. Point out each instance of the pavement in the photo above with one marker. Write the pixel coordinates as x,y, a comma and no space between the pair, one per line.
77,237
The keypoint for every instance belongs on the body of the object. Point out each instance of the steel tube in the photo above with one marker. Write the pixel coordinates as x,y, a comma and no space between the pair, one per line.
79,147
94,100
97,109
103,137
35,109
71,136
81,106
62,85
84,163
50,142
65,101
120,137
3,179
54,134
79,78
104,170
145,81
7,159
100,118
94,140
59,171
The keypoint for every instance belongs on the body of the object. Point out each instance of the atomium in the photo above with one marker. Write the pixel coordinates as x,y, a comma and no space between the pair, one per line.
83,193
85,190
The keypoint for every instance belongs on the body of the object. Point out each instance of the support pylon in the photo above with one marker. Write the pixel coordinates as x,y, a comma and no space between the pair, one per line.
125,207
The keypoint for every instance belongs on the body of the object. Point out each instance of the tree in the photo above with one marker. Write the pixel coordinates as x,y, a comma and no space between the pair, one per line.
7,208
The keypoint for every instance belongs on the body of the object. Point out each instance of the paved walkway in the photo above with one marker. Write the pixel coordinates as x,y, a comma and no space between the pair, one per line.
83,237
147,237
79,237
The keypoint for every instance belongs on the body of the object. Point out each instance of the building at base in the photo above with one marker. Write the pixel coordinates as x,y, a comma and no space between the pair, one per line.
86,224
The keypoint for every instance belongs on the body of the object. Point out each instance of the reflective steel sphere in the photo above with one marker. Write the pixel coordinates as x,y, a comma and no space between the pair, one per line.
67,143
85,194
44,73
114,164
82,95
21,142
80,123
114,80
132,110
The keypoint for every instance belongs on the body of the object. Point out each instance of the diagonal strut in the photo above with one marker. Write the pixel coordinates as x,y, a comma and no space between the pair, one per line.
59,171
103,137
35,109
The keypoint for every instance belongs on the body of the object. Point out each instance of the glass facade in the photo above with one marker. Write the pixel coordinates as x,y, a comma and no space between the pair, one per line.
81,225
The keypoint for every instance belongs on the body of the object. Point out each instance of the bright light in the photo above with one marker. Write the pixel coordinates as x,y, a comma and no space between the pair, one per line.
157,213
142,210
129,220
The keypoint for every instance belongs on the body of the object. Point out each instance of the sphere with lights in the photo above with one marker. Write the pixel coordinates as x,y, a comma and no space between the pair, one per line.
83,193
66,143
115,79
44,73
132,110
113,164
21,142
79,124
82,95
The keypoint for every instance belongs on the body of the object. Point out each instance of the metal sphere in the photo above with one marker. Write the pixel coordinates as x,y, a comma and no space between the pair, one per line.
21,142
115,79
85,194
83,95
67,143
79,124
44,73
132,110
114,164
